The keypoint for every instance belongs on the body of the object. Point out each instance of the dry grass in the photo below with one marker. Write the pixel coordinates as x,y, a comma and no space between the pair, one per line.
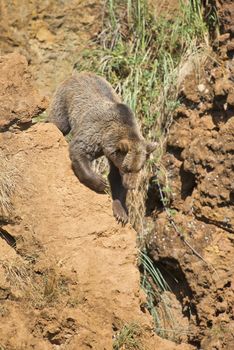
20,277
8,181
128,338
37,290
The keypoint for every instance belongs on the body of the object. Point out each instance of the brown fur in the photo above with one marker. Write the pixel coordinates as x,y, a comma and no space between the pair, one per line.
101,124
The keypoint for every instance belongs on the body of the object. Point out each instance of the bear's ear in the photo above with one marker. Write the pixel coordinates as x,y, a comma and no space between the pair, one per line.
124,146
150,147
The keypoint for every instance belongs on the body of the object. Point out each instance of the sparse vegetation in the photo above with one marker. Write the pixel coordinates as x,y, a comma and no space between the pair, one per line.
40,118
154,285
19,275
37,289
8,180
128,338
139,55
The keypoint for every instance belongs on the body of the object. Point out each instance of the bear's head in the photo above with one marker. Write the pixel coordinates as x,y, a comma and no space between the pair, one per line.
130,159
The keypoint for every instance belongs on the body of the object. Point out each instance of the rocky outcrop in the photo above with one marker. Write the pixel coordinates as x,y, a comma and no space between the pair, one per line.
199,164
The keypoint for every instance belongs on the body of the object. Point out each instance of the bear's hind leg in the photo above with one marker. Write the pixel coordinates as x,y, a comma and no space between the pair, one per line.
119,194
58,115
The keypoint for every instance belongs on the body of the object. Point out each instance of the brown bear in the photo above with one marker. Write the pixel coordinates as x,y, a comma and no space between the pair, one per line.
100,124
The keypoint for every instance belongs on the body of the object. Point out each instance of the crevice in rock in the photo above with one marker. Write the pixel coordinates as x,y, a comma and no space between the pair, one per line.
217,112
231,197
187,102
14,125
153,199
225,226
196,344
188,183
6,127
175,151
230,54
175,278
24,126
225,204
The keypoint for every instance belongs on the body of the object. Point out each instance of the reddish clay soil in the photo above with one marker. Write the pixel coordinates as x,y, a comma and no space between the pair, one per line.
199,160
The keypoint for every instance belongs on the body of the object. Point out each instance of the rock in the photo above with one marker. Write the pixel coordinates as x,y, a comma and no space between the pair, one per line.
223,38
44,34
199,167
222,87
19,100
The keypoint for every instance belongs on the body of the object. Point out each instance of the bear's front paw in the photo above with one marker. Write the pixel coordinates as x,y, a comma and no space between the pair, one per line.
119,212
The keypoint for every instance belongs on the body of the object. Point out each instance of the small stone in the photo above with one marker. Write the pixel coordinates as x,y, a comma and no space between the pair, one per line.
44,34
201,87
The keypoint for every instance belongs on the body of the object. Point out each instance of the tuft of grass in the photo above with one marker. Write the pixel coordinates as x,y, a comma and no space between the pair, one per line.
8,181
40,118
138,54
153,283
158,300
19,275
37,290
128,338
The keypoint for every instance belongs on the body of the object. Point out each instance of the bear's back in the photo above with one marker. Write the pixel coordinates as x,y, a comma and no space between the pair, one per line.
94,87
88,98
88,102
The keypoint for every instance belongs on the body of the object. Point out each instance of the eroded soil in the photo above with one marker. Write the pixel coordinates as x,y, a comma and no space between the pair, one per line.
199,161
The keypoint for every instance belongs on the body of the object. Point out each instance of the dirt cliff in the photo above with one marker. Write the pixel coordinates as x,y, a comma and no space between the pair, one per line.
199,164
68,271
